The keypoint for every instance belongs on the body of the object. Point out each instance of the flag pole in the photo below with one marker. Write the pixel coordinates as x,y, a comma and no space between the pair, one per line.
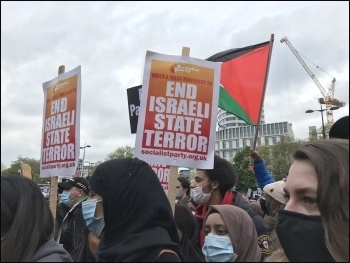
272,38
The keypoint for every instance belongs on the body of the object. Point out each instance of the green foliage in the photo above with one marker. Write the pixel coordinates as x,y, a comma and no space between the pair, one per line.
313,135
279,161
92,168
318,133
3,167
276,158
246,177
121,152
35,165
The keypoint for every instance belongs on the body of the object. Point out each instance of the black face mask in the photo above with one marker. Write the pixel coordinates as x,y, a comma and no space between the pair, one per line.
302,237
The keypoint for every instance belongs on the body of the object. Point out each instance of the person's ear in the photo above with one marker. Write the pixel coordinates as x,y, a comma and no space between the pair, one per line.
215,185
81,193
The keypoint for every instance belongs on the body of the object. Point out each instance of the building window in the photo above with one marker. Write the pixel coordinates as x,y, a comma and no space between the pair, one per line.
266,141
280,125
274,140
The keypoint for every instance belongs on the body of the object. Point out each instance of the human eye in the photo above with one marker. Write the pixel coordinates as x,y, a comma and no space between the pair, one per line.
222,231
310,201
206,231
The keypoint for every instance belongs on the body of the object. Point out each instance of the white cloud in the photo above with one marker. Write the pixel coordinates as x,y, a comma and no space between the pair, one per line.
110,39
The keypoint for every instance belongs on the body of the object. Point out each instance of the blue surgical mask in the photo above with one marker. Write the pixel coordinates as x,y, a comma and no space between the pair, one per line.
218,249
65,198
95,225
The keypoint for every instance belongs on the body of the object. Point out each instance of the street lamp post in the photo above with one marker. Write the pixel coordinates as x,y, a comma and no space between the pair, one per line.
89,169
321,101
84,147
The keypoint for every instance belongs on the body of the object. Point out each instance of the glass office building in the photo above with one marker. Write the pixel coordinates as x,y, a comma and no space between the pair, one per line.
233,134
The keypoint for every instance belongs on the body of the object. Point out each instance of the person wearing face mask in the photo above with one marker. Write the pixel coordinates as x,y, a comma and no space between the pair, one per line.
183,191
73,231
314,225
230,235
92,210
215,187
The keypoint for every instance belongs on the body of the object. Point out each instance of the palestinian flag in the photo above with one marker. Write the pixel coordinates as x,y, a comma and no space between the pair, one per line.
242,82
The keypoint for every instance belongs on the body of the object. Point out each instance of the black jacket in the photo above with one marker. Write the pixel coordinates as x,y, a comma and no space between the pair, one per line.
74,231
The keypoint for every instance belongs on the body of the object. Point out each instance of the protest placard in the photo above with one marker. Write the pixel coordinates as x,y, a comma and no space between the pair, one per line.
163,173
60,143
178,110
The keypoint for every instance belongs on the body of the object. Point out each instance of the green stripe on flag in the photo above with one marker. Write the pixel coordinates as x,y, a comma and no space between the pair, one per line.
227,103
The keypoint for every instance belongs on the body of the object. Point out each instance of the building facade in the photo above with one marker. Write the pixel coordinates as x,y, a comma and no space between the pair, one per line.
233,134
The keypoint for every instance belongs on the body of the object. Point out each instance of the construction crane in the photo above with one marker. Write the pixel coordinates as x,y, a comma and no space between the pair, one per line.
328,96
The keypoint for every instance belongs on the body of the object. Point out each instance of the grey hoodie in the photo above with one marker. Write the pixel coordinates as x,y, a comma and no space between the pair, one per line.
51,251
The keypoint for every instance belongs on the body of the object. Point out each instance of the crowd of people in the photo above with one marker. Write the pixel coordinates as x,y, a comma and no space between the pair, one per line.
122,214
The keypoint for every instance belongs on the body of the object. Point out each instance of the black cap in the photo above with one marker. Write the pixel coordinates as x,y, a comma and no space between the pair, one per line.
340,129
79,182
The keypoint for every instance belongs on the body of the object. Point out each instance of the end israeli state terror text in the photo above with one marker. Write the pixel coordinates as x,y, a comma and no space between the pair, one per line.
57,127
178,117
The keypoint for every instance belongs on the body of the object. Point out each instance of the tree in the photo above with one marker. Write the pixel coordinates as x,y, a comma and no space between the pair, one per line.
3,167
313,135
121,152
241,163
35,165
276,158
318,133
92,169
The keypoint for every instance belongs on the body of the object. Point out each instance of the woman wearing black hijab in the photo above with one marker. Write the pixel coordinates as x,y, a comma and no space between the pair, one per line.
186,225
139,224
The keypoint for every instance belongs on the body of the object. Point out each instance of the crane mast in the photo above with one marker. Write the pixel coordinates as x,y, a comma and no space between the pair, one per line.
328,96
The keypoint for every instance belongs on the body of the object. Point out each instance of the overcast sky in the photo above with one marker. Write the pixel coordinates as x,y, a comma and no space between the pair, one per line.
110,39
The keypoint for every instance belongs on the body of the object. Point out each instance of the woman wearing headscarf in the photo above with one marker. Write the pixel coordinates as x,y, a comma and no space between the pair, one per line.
139,224
186,226
230,235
